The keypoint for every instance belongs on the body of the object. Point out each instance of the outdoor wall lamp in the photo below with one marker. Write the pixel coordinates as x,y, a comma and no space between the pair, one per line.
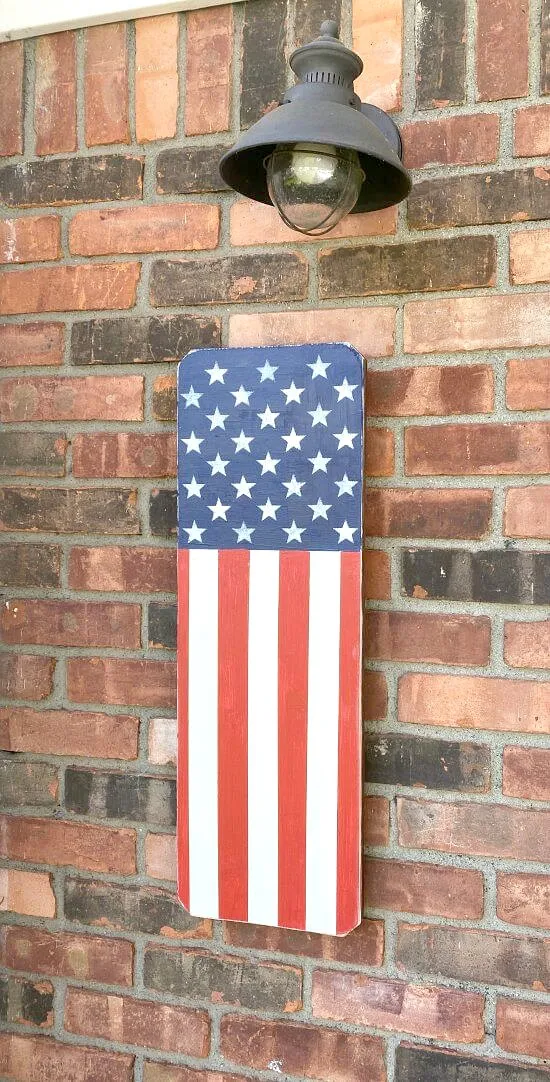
322,153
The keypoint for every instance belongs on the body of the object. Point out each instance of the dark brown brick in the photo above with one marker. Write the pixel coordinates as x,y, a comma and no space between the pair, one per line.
26,676
33,454
264,65
237,279
131,909
61,510
163,504
223,979
515,195
29,565
142,339
424,512
27,1002
27,783
500,575
466,954
457,263
108,795
165,398
364,945
309,14
193,169
440,53
162,625
54,182
427,1065
397,759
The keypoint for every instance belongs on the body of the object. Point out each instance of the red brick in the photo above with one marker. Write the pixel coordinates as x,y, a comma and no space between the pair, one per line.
160,856
302,1050
423,512
527,645
124,454
424,888
429,390
11,98
106,85
454,140
524,899
364,945
130,570
532,131
177,227
530,257
466,323
467,449
26,676
502,50
79,845
395,1005
165,1072
475,702
31,343
71,623
526,773
492,830
121,682
379,452
137,1021
28,893
86,398
375,696
376,575
55,93
68,732
524,1027
528,384
411,636
472,954
29,240
378,38
61,954
527,512
370,329
69,288
376,822
258,223
157,88
33,1059
208,70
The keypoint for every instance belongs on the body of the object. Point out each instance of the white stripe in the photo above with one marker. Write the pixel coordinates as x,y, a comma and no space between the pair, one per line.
322,741
263,804
203,732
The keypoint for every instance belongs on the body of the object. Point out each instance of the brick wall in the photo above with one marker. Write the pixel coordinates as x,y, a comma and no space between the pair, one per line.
122,253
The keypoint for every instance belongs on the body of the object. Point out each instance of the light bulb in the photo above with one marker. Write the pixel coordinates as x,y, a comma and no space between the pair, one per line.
313,185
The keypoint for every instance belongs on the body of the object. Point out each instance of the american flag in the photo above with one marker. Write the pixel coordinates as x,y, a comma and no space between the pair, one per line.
269,635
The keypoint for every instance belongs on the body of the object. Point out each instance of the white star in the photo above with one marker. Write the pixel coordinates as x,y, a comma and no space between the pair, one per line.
267,371
294,532
242,442
345,438
345,532
218,465
216,374
192,397
193,443
269,509
319,509
195,532
294,487
294,441
293,392
217,419
242,397
219,510
345,486
345,389
319,368
319,463
244,532
268,418
193,488
243,487
268,463
319,415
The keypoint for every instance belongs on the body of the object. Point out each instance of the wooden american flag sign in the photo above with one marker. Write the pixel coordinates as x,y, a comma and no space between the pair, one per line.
269,635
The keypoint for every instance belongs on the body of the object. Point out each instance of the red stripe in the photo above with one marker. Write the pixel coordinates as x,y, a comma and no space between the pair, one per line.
348,908
183,726
233,580
293,669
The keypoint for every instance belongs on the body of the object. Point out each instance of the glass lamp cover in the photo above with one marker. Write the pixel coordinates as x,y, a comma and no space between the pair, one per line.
313,185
